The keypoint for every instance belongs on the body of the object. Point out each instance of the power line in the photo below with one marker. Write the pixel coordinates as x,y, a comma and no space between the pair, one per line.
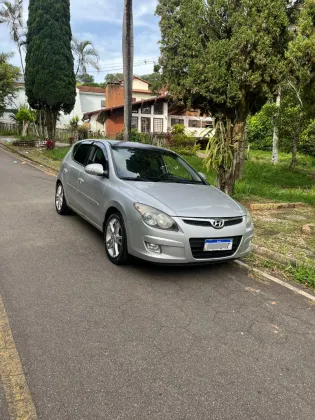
120,67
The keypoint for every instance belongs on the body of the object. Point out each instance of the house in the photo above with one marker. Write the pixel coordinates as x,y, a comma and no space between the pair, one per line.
152,115
88,98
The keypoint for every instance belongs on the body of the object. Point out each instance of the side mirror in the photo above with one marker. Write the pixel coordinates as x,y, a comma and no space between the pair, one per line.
202,175
95,169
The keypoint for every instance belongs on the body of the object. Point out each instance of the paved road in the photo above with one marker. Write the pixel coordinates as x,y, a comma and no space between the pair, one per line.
142,342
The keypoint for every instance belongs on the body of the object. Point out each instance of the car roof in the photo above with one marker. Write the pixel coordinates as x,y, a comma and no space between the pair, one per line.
127,144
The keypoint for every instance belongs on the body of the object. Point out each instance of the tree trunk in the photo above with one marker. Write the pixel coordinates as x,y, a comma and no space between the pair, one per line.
21,58
275,141
25,128
51,121
234,138
294,153
128,51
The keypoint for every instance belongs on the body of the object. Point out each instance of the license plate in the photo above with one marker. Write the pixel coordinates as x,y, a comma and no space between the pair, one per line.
218,245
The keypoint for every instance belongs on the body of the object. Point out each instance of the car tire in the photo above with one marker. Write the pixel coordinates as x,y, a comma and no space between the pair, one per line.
115,240
60,200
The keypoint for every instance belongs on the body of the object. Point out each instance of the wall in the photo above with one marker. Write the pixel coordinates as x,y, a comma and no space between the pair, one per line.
19,100
198,132
139,85
114,123
114,95
95,125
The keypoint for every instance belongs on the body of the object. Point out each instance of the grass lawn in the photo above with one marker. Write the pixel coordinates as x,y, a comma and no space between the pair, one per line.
263,181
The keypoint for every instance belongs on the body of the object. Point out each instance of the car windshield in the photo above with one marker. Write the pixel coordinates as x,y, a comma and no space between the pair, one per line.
153,165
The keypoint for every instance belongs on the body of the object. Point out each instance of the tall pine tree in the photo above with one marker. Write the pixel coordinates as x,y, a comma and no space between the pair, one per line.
49,78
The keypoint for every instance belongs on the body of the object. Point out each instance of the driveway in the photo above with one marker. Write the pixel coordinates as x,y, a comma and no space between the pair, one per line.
142,342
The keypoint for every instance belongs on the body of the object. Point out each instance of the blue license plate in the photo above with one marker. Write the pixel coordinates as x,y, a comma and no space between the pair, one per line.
218,245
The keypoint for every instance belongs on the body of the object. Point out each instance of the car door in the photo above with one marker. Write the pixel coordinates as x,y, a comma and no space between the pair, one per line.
92,188
72,169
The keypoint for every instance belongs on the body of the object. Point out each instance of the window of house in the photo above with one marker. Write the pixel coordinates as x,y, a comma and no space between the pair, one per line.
194,123
157,125
145,125
175,121
158,108
103,104
134,123
207,124
135,109
146,109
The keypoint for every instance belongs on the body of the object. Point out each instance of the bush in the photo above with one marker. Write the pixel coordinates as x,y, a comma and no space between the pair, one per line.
135,137
83,132
50,145
307,143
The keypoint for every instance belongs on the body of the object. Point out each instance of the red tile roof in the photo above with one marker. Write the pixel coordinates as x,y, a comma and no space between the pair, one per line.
91,89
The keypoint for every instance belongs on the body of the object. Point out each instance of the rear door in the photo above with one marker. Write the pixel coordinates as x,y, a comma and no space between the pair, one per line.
72,170
92,188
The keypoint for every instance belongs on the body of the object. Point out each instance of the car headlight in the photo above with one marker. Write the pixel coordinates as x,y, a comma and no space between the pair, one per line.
155,218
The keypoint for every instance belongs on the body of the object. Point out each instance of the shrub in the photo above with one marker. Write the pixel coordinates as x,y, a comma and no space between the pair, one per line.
135,137
307,143
50,145
83,132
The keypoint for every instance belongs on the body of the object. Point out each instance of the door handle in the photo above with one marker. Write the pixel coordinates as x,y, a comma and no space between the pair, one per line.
65,171
81,180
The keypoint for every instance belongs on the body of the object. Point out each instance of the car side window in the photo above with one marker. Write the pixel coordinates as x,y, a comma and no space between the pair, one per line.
98,156
81,153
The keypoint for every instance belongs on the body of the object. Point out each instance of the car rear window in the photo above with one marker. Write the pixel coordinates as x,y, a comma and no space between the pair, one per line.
81,153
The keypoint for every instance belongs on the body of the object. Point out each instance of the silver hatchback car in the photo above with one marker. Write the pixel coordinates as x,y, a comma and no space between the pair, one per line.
150,203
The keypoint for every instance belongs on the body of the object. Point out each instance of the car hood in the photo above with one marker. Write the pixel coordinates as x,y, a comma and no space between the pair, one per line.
183,200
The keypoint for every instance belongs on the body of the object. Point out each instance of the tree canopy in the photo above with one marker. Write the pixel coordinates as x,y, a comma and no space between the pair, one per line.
222,56
8,76
49,79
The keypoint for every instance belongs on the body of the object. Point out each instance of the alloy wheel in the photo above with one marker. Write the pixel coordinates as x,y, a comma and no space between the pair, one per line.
59,197
114,238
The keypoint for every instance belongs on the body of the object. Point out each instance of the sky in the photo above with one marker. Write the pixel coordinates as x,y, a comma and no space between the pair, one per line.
100,21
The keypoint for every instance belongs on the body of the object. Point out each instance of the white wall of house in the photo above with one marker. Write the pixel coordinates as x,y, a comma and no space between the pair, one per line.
85,102
95,125
140,84
151,122
195,126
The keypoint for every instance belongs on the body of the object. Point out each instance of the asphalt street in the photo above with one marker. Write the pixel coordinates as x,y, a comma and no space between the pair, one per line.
142,342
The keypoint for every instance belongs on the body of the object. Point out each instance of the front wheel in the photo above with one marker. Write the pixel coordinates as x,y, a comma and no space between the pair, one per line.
60,200
115,238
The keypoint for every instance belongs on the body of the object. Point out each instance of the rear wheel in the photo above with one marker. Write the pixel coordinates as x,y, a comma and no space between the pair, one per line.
115,238
60,200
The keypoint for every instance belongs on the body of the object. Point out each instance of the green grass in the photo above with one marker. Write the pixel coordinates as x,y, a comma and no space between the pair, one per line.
263,181
57,153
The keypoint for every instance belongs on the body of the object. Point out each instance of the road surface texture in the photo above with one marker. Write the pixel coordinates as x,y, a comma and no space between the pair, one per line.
142,342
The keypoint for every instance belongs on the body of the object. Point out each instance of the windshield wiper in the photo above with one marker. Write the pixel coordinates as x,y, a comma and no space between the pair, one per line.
126,178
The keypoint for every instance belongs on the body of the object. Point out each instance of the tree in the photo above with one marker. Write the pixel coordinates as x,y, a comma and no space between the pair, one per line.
85,55
49,77
85,78
8,76
154,79
12,15
300,76
24,116
128,52
222,57
114,77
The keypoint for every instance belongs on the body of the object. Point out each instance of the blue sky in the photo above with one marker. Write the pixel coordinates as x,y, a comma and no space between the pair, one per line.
100,21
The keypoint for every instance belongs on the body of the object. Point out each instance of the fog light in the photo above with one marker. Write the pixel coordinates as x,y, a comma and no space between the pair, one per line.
153,248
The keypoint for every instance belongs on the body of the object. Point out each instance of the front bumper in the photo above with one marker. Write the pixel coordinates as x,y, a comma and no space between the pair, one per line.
175,246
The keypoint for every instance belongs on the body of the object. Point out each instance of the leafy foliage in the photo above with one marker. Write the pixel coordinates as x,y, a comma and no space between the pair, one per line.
222,56
49,79
114,77
8,75
12,15
85,78
85,55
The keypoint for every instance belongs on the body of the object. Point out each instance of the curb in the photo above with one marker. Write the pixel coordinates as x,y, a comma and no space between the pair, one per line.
275,206
38,165
28,159
266,276
273,256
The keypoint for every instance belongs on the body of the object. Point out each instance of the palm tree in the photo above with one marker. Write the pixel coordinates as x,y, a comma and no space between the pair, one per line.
12,15
128,51
85,55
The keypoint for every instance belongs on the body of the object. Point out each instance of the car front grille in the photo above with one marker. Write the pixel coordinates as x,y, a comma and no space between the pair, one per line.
227,222
197,246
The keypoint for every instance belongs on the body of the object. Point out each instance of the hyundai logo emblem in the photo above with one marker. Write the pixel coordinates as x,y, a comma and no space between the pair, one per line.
218,224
